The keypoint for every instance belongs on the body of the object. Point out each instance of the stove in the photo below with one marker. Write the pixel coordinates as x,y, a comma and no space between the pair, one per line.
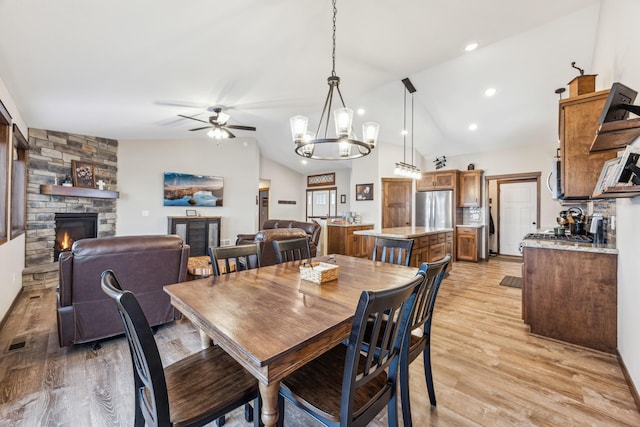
576,238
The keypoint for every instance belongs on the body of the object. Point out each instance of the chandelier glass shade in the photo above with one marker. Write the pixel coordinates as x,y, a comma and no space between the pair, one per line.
344,145
404,169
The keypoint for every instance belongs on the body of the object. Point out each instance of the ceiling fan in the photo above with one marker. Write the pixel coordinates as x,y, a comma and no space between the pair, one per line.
219,129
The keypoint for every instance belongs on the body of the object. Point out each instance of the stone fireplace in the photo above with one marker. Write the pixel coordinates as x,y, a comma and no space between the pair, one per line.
50,156
71,227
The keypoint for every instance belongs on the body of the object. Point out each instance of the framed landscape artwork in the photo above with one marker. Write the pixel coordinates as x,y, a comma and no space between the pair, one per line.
83,174
181,189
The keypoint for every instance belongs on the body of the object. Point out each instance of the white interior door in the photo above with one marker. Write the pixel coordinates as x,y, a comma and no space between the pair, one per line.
518,213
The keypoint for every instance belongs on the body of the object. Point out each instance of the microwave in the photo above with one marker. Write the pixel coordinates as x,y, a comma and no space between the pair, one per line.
553,180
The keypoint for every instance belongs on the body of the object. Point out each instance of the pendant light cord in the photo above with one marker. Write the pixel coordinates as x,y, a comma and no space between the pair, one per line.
333,56
411,129
404,130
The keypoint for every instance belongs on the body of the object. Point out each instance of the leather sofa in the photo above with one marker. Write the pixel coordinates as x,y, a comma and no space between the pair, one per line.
144,264
280,229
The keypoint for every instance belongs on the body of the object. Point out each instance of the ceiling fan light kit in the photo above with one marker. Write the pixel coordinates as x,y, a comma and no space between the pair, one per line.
403,168
345,145
217,125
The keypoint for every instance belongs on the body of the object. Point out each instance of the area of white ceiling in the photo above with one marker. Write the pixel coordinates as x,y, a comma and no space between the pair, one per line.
125,69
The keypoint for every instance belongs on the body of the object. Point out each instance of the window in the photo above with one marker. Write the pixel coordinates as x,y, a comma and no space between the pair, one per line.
321,203
18,183
5,122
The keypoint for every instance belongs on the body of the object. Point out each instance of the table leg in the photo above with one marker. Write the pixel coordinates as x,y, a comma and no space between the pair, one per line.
269,394
205,341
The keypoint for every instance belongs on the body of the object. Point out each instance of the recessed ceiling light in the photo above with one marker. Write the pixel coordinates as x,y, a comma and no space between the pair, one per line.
490,91
304,162
473,126
360,111
471,46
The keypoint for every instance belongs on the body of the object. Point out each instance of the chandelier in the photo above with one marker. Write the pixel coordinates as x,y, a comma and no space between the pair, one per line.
403,168
345,144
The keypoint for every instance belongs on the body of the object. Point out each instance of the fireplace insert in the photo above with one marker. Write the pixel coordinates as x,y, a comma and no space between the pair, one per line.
71,227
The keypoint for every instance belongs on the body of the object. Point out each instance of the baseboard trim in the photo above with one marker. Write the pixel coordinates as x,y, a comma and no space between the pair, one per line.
13,304
627,377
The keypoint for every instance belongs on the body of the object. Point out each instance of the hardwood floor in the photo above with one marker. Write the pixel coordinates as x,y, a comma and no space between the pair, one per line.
487,369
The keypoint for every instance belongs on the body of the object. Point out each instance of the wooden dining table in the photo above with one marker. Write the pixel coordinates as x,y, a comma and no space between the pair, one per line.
272,322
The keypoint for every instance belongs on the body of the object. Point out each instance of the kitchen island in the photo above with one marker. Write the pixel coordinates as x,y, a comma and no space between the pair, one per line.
429,244
569,292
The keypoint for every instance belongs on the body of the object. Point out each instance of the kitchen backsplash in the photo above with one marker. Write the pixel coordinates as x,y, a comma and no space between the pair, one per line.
606,207
472,216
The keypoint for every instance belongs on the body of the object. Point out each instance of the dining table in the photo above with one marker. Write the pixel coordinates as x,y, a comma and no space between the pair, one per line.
272,321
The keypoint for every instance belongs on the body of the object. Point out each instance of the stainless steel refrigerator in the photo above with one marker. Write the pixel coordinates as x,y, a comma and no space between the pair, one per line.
434,209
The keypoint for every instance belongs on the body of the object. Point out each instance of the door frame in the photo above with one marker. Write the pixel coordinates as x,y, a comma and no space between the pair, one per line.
507,179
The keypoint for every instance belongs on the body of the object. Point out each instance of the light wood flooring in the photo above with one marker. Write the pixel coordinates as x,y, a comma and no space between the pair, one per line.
487,370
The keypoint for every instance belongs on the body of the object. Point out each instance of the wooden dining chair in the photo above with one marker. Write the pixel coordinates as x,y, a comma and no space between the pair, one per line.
191,392
393,251
245,257
420,342
349,385
291,250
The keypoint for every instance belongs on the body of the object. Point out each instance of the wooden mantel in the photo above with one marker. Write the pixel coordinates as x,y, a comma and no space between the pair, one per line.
61,190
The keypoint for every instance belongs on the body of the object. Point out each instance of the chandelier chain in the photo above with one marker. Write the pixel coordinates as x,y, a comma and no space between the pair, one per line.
333,56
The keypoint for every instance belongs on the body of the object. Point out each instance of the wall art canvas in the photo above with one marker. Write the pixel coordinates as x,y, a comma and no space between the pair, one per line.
181,189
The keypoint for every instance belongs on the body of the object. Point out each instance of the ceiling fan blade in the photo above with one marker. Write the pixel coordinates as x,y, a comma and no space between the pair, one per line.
203,127
183,104
230,135
192,118
240,127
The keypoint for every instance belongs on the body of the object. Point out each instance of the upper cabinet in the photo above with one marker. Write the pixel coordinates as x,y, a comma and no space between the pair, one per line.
580,169
439,180
470,194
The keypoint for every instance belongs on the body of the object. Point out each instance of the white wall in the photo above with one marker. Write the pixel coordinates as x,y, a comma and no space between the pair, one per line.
286,185
141,167
617,59
12,251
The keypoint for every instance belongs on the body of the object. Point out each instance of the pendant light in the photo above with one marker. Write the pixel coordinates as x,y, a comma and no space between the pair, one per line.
403,168
344,145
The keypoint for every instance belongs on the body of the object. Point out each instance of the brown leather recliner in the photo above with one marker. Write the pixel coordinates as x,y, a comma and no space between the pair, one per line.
279,229
144,264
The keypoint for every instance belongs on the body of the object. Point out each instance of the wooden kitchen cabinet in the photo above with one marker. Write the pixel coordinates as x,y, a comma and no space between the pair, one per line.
467,244
470,194
430,247
571,296
199,232
580,169
341,240
440,180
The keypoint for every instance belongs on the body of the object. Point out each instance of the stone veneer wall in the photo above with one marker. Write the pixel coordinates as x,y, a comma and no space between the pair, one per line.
50,156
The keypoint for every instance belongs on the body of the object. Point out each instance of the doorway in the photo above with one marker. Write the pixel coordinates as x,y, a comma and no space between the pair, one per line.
263,206
514,210
396,202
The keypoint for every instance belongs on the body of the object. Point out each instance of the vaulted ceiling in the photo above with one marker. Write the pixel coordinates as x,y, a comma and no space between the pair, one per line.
125,69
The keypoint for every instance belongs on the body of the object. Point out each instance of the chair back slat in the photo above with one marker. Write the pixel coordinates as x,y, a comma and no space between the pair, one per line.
291,250
425,300
379,330
149,379
245,257
393,251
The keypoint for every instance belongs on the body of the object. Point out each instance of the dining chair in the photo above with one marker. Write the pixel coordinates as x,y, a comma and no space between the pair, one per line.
291,250
245,257
191,392
419,336
393,251
349,385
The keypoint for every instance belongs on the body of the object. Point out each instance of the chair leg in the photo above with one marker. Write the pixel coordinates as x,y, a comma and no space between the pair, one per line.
428,374
220,421
392,411
248,412
404,392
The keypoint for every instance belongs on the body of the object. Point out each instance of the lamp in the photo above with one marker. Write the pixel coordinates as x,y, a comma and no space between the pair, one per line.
403,168
344,145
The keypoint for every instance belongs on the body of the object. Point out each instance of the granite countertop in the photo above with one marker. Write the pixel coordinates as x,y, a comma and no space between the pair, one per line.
571,246
402,232
470,225
346,224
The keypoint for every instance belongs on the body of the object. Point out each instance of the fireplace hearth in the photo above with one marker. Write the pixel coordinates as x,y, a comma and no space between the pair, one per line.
71,227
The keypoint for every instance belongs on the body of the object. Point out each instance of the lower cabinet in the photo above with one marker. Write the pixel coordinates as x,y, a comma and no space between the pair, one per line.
571,296
341,240
467,244
431,247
